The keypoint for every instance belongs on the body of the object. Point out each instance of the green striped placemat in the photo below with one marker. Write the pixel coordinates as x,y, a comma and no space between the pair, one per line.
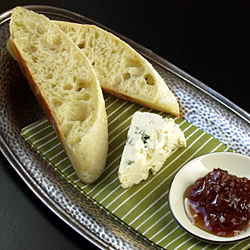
143,208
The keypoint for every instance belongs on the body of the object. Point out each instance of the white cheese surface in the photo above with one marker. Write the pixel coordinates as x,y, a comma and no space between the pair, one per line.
151,139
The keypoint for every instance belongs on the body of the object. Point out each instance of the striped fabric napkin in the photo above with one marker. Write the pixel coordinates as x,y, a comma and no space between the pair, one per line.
144,208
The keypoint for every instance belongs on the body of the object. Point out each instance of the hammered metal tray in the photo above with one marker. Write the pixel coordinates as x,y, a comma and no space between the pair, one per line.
199,104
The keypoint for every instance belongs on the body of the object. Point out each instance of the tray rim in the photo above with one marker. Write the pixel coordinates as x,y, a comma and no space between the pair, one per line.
28,179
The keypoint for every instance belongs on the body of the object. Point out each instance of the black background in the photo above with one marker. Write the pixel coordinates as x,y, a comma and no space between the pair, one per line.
207,39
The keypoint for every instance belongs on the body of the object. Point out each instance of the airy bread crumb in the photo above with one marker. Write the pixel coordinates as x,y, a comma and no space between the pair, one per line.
120,69
66,87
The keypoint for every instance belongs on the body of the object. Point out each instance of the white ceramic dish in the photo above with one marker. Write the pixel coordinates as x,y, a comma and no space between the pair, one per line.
234,163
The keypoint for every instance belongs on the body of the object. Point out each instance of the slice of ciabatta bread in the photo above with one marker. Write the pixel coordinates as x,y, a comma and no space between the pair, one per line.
120,69
66,86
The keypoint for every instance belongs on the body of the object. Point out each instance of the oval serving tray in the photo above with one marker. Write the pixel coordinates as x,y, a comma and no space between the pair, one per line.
200,106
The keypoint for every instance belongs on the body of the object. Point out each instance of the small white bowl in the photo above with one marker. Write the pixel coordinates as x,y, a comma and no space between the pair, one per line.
234,163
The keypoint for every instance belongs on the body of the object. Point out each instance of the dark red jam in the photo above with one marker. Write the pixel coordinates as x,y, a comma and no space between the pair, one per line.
219,203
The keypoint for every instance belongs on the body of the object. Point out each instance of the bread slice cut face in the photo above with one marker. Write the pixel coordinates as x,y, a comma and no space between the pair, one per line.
120,69
67,88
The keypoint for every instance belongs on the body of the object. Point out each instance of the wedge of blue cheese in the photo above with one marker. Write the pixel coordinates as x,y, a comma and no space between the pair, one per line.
150,141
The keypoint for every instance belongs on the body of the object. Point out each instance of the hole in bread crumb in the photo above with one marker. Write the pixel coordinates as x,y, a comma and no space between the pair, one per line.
34,58
96,35
67,86
20,24
80,87
126,76
56,102
40,29
30,48
57,40
90,41
66,128
149,79
86,96
49,76
81,84
131,62
81,45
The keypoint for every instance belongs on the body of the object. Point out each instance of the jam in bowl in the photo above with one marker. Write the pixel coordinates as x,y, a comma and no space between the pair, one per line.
219,203
214,213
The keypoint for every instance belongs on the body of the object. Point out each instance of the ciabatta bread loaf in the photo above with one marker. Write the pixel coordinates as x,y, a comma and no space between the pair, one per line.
66,87
120,69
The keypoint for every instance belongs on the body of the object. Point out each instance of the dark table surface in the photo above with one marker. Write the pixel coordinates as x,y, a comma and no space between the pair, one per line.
207,39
